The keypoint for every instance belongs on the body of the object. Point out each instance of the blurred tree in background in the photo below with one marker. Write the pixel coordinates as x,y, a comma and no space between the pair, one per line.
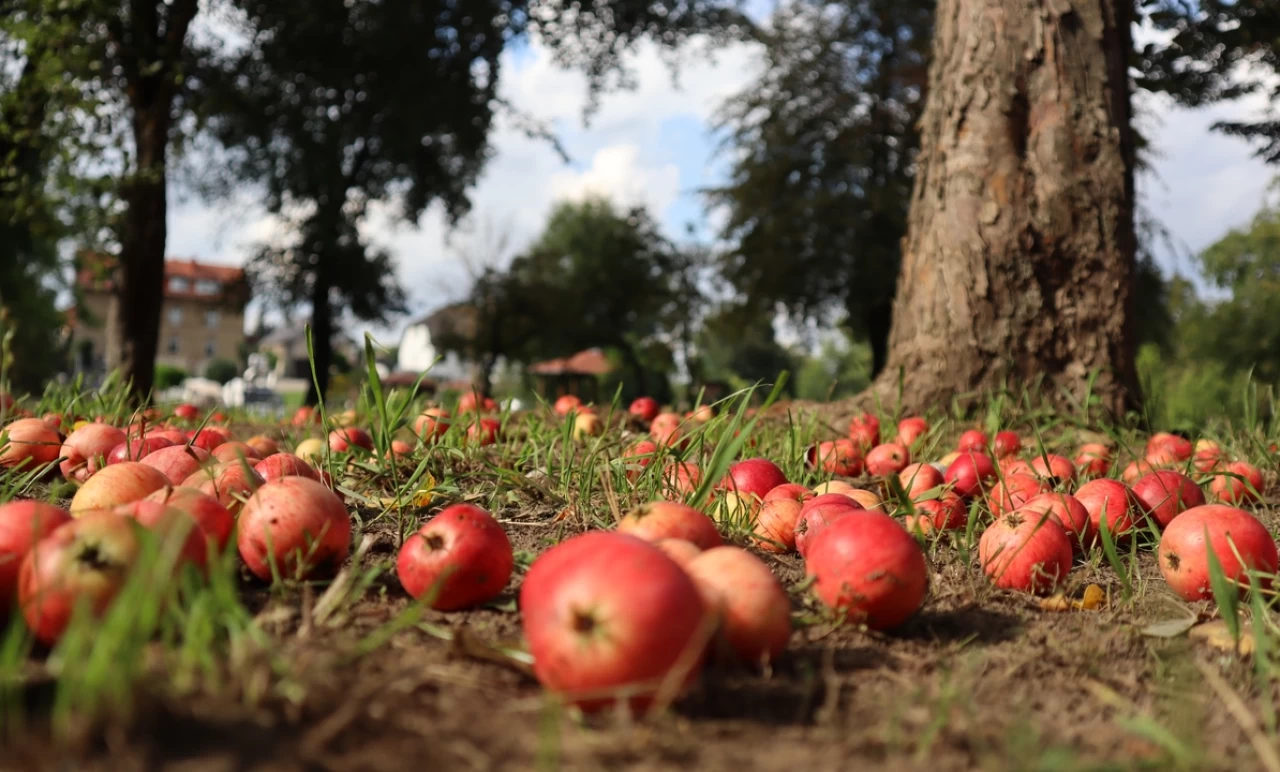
823,147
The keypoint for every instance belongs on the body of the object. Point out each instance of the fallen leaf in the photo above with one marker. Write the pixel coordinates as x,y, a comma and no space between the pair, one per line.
1094,598
1217,635
1057,602
1170,628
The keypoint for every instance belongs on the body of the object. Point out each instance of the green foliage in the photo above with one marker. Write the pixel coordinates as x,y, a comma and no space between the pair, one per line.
167,377
221,370
841,368
737,345
596,276
824,145
1218,50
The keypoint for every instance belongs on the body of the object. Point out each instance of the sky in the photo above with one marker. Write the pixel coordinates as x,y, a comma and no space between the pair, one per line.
655,145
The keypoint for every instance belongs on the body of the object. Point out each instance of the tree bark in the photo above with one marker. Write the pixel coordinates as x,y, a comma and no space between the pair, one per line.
1018,260
149,58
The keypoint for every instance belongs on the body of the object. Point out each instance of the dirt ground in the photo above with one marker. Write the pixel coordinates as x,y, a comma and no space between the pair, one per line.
978,680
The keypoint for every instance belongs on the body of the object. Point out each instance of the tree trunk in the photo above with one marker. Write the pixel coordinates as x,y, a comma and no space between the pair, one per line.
1019,254
140,288
321,333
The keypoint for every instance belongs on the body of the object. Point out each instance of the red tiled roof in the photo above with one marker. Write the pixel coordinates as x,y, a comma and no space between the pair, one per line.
589,362
95,274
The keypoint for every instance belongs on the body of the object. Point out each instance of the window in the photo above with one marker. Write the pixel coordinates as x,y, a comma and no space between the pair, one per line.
173,344
210,348
211,318
175,315
179,285
208,287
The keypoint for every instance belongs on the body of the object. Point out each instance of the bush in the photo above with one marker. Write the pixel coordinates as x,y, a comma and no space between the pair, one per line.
221,370
167,377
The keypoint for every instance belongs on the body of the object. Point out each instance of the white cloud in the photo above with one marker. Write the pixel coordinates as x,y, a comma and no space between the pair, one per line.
616,172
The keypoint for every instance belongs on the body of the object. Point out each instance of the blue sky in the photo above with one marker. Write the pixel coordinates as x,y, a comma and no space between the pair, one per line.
653,146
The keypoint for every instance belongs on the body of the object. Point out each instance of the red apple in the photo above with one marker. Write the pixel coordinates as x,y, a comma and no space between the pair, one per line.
432,424
752,606
566,404
117,484
1050,466
644,408
294,528
82,564
665,429
231,484
136,450
28,443
609,617
1014,491
970,474
458,559
945,513
86,449
1237,539
974,439
1093,459
638,457
178,462
350,438
1238,483
911,429
680,478
1026,551
23,523
234,451
870,569
754,476
818,513
1114,501
671,520
186,412
1006,444
775,525
279,465
1166,494
864,430
919,478
213,519
207,439
1068,511
791,491
484,431
889,458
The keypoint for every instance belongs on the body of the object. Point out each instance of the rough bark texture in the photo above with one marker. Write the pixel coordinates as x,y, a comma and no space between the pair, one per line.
150,38
1019,252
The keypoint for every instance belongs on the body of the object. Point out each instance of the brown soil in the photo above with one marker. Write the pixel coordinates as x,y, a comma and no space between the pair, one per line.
978,680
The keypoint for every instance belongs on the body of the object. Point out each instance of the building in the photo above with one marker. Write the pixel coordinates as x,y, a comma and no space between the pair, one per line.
287,347
578,375
202,318
423,341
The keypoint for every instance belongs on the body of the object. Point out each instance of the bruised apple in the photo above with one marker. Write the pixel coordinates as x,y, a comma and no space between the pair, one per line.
85,450
279,465
294,528
177,463
82,564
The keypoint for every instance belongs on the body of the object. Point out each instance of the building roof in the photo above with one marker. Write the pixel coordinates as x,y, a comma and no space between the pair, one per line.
452,324
592,361
95,274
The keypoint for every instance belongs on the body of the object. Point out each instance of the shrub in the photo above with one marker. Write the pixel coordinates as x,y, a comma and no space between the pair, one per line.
167,377
221,370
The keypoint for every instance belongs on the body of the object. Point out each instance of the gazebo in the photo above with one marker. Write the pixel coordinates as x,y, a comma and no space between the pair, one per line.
578,375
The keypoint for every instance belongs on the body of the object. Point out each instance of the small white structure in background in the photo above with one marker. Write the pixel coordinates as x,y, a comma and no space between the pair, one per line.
201,391
255,388
420,344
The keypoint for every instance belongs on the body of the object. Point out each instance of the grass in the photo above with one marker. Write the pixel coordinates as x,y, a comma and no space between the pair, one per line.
976,679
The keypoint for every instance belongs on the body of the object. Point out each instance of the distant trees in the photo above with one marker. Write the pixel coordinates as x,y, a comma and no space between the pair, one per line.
824,146
596,276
